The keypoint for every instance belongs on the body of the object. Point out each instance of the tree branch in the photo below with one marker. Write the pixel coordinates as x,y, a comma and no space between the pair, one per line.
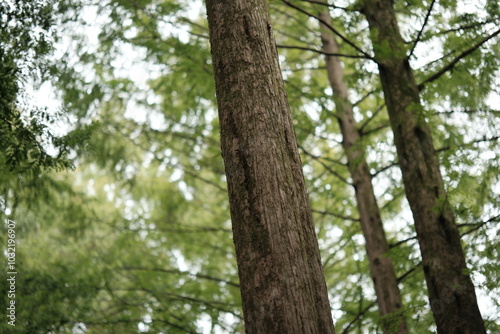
338,162
480,140
462,27
476,227
406,274
468,111
297,47
364,97
383,169
323,3
328,168
329,26
396,244
457,59
128,321
187,273
358,316
370,131
329,213
422,28
479,225
366,122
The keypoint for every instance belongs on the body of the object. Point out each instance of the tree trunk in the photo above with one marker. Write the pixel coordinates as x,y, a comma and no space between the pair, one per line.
381,267
282,284
451,292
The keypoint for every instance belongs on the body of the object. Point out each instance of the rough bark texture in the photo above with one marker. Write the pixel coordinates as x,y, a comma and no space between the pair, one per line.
451,292
282,283
381,267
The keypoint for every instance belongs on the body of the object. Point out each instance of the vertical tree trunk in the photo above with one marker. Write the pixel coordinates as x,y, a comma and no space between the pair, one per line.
282,283
381,267
451,292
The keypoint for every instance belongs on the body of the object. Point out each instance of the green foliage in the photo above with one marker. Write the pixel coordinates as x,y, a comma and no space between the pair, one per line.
26,37
138,237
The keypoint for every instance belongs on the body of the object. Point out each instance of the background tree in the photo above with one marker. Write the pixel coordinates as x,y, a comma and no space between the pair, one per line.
377,247
450,288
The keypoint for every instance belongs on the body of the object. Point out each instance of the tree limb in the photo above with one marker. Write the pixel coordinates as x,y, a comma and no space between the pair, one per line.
322,3
364,97
179,272
297,47
419,35
402,241
329,213
457,59
370,131
383,169
329,26
328,168
375,113
479,225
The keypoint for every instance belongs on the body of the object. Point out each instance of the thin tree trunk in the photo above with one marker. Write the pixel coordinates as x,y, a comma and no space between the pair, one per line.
282,284
451,292
381,266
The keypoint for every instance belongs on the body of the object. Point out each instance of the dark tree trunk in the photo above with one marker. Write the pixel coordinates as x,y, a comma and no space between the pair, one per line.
282,283
381,267
451,292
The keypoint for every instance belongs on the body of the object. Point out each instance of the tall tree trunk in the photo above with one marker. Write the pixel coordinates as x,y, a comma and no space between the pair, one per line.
451,292
282,284
381,267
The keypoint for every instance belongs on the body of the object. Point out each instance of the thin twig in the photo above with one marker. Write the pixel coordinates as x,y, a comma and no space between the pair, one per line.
457,59
358,316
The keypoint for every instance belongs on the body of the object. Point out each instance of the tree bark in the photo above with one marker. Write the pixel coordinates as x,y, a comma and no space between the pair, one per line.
381,267
451,292
282,284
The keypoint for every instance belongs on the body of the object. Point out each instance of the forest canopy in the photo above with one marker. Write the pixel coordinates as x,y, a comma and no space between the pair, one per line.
115,181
